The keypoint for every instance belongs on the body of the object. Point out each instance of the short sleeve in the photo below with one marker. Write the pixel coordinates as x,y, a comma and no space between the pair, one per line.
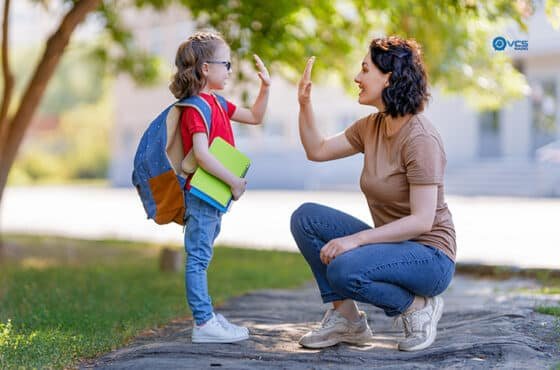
231,108
424,160
355,134
192,120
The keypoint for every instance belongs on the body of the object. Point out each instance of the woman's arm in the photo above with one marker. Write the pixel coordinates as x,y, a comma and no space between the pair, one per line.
423,201
255,115
214,167
317,148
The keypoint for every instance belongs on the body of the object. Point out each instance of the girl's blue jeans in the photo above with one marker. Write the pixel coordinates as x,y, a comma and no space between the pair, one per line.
202,227
387,275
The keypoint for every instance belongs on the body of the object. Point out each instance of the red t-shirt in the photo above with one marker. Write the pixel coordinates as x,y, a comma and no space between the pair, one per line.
192,122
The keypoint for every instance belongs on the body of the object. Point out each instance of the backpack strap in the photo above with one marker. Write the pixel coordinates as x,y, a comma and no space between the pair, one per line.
188,164
223,103
201,106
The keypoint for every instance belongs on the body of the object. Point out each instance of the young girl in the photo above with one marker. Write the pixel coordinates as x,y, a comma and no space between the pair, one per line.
203,65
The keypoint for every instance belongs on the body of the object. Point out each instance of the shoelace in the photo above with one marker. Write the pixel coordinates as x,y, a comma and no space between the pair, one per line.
228,325
408,323
328,320
411,323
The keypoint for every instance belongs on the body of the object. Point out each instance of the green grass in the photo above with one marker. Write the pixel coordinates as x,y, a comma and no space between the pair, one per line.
62,300
550,285
549,310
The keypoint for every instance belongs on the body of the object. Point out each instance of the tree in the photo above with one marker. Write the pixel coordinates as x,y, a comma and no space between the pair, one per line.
455,35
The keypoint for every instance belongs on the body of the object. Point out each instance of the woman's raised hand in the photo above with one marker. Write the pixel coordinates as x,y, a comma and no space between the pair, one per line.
262,71
304,87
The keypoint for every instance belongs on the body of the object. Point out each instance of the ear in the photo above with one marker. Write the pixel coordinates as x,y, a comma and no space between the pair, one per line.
388,78
205,69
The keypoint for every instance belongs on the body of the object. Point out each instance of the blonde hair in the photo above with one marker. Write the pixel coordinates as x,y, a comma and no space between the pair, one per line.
191,55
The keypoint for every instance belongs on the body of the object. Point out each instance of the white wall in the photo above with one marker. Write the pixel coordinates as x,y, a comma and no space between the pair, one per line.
457,124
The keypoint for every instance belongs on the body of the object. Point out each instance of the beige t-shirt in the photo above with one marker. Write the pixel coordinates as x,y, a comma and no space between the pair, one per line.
412,155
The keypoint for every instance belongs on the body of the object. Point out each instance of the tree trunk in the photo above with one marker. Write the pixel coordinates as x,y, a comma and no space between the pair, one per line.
19,123
170,260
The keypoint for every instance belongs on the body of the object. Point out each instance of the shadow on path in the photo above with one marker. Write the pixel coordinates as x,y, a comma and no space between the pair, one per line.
485,324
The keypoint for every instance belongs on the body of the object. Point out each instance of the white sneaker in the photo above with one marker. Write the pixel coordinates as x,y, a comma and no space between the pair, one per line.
214,331
335,329
420,327
227,324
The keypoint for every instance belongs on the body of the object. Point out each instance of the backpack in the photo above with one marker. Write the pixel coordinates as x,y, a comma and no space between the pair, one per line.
160,166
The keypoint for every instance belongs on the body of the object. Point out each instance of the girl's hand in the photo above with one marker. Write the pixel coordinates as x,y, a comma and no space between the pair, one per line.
336,247
304,87
238,188
263,72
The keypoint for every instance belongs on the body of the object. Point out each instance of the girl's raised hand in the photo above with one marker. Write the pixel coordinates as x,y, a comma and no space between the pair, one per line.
304,87
263,72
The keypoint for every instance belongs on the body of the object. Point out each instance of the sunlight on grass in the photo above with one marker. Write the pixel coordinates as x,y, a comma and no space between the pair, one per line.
62,299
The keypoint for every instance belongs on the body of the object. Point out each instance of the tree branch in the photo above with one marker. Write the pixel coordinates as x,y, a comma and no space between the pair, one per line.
44,71
7,74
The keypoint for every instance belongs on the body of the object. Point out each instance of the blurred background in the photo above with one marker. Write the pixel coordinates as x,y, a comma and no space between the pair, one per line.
82,271
496,107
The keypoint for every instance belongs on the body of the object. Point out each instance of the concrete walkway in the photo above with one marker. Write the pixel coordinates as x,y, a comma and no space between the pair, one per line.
486,324
520,232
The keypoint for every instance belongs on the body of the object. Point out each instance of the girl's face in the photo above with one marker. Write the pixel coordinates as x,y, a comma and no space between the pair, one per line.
217,71
371,82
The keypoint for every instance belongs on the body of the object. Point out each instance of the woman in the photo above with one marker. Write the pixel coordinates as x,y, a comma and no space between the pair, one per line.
407,260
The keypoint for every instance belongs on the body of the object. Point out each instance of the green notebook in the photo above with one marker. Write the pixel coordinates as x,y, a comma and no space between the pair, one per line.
211,189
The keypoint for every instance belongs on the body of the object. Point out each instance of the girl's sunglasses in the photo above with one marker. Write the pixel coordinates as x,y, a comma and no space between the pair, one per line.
226,63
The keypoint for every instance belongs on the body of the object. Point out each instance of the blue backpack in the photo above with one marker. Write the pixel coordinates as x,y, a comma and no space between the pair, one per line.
160,166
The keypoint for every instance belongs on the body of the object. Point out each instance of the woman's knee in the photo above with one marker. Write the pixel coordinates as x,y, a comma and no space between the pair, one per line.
301,215
303,211
342,276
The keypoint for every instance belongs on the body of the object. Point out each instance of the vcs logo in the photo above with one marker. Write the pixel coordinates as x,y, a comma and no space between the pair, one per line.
501,43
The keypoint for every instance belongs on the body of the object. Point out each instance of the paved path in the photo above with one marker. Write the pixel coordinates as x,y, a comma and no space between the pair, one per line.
486,324
520,232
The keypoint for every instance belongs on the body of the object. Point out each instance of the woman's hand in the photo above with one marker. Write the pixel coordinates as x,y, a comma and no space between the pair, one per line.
262,71
238,188
304,87
336,247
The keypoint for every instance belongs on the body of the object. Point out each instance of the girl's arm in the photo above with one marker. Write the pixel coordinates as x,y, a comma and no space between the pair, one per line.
423,201
254,116
214,167
317,148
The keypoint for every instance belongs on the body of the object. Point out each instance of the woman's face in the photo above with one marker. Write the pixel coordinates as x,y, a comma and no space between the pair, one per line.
217,72
371,82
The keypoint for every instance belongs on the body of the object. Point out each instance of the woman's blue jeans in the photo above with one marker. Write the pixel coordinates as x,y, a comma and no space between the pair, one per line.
387,275
202,227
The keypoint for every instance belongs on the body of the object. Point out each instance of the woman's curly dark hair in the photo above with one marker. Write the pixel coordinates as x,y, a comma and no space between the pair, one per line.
408,85
191,55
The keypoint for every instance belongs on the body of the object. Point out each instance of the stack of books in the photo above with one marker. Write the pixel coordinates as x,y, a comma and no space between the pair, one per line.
211,189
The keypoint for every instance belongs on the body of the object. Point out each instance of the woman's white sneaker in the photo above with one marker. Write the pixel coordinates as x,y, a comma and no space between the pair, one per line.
218,330
335,329
420,327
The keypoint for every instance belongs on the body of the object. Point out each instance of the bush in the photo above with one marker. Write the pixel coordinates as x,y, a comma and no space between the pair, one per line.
78,149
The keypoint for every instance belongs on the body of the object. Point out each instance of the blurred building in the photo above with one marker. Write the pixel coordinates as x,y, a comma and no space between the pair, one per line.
492,153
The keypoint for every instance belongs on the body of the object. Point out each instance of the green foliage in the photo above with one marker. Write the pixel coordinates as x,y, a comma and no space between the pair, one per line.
552,9
76,80
77,149
41,166
65,299
456,36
